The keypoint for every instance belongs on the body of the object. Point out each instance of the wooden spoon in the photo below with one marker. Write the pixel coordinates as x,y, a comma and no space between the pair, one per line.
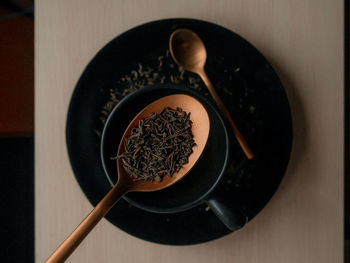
189,52
125,184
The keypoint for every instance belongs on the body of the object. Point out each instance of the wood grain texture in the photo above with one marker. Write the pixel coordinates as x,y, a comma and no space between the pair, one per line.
303,40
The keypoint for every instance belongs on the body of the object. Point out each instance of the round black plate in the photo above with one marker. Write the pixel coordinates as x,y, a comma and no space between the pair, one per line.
246,82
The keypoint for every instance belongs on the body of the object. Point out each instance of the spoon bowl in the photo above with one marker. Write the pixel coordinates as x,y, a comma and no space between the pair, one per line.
200,130
188,50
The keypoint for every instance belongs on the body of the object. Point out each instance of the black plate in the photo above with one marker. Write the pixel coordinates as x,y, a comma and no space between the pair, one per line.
248,86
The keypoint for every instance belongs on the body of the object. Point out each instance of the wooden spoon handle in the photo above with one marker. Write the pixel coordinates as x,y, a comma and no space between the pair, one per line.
248,152
84,228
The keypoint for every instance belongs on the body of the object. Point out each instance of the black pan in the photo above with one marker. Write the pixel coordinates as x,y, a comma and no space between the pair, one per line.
199,186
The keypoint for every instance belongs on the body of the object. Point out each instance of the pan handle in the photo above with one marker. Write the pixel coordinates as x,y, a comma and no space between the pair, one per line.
229,212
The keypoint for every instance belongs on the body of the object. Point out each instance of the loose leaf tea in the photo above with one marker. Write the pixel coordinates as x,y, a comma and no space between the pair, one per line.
159,145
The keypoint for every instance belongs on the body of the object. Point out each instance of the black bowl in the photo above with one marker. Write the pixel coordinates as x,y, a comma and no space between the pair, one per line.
201,180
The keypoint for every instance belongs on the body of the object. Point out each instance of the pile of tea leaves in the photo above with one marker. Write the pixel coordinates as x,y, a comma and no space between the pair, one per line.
159,145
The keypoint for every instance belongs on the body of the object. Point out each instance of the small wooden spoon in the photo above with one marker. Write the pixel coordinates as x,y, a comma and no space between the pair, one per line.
189,52
125,184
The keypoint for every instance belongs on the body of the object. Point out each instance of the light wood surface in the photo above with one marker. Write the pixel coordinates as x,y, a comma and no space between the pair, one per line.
303,40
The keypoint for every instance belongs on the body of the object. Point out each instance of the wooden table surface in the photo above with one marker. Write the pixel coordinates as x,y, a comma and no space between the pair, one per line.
303,40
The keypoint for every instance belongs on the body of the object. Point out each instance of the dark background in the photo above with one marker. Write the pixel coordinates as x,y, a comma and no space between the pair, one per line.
17,131
347,132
